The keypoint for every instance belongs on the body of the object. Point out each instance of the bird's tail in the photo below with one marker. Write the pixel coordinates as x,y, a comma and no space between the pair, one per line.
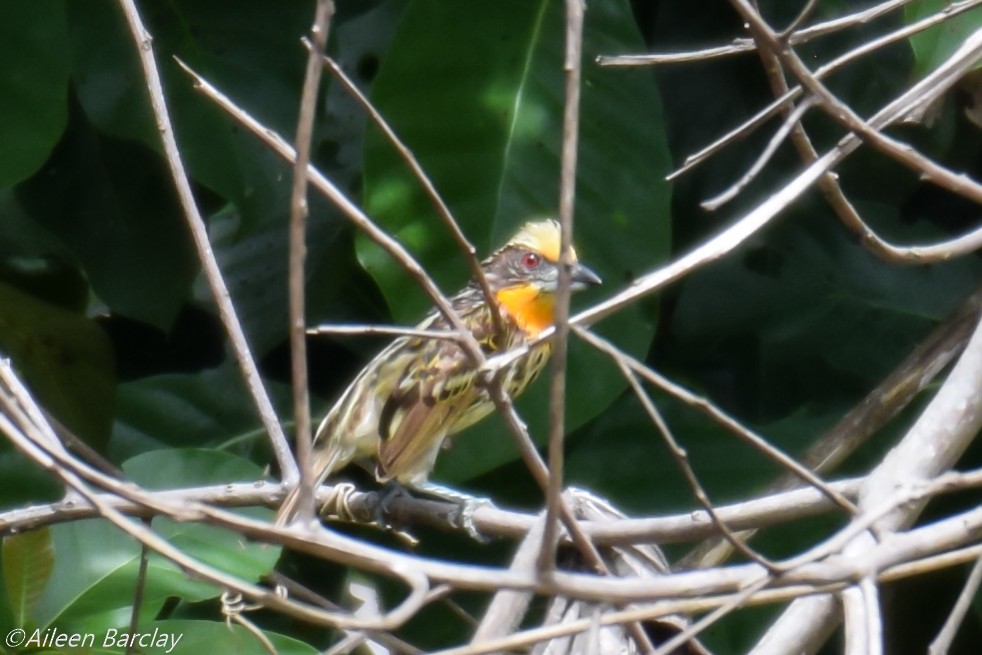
288,508
323,467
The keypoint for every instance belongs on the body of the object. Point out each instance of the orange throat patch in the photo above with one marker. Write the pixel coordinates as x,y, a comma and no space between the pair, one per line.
531,309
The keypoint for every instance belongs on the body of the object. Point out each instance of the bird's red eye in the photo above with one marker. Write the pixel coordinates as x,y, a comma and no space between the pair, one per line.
531,260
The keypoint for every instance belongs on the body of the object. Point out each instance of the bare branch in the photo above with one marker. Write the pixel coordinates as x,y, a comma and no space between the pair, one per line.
364,506
567,197
32,440
930,88
790,124
507,608
933,443
385,330
299,211
199,233
796,37
864,624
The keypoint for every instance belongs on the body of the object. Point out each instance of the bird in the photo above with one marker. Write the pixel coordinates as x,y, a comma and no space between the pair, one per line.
398,411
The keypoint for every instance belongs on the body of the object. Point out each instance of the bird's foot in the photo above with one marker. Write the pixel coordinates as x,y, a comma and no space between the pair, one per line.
463,517
390,491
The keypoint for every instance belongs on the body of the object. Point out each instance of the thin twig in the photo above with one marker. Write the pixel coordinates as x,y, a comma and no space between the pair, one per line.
567,197
299,211
199,233
802,16
941,79
746,45
823,71
138,593
942,643
790,124
386,330
682,461
726,421
738,601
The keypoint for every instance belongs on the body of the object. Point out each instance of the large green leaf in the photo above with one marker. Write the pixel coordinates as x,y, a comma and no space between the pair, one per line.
28,560
202,409
933,46
33,84
176,468
477,92
251,53
96,564
95,575
254,55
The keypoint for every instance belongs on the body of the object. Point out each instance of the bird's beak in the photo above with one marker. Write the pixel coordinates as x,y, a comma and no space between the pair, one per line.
582,277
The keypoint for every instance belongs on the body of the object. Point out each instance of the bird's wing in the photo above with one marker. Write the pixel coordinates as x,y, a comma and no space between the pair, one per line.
437,387
418,413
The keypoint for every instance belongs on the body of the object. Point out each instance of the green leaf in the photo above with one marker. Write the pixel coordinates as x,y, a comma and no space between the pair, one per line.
36,261
197,409
28,560
477,92
217,638
96,568
97,564
65,360
34,84
252,54
175,468
178,468
24,481
934,45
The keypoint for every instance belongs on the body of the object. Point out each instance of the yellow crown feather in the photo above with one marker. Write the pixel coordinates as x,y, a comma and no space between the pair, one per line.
542,237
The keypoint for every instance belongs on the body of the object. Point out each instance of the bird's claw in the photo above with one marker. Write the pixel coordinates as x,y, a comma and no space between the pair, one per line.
463,517
386,495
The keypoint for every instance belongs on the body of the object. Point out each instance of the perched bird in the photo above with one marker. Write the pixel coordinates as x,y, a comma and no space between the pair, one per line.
418,391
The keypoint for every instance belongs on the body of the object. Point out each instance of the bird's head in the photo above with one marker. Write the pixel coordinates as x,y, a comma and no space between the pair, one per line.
524,274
